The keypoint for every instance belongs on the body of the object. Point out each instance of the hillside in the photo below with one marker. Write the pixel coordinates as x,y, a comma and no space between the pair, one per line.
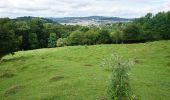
28,18
74,72
91,20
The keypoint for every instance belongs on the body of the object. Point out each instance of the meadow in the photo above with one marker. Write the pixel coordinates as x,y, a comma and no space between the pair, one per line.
74,72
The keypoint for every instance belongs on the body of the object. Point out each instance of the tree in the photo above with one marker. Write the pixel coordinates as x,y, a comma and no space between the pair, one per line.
117,36
23,29
162,24
103,37
131,33
90,37
9,41
84,29
33,41
36,25
52,40
76,38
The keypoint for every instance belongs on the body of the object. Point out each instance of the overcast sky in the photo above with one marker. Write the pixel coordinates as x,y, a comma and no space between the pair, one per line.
66,8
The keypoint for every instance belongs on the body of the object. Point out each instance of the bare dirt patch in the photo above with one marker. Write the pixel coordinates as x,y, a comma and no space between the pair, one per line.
87,65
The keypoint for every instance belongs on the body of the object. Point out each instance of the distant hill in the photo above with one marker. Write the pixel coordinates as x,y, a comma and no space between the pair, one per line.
27,18
91,20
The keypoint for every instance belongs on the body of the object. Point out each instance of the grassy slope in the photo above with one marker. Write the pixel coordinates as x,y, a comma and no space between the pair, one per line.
74,73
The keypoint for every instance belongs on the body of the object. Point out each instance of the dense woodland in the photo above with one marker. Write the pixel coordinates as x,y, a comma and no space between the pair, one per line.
34,33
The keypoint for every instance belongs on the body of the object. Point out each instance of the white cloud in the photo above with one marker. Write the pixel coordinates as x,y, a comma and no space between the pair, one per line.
60,8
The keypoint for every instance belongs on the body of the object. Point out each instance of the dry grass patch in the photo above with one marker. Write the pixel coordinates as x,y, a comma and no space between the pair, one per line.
7,74
13,90
56,78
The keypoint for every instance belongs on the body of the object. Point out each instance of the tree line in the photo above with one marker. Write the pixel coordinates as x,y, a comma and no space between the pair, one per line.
35,33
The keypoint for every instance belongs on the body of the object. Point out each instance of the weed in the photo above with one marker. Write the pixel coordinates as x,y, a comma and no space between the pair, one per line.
119,87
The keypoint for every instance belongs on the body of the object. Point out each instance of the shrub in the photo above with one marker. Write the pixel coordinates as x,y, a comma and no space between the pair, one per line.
61,42
119,87
117,36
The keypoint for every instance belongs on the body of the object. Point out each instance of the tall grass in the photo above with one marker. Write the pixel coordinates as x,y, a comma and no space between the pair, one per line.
119,87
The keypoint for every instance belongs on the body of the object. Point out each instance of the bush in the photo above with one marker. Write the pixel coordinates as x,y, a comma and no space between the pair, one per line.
61,42
117,36
119,87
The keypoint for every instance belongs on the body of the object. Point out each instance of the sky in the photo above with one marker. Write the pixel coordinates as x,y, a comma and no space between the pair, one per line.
79,8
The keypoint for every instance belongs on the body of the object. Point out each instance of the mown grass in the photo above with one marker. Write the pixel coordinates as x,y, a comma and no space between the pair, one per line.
74,73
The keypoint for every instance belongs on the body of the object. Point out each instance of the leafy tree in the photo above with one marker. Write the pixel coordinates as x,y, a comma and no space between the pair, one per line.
33,41
161,21
36,26
9,41
84,29
23,29
117,36
82,38
103,37
131,33
90,37
167,34
76,38
52,40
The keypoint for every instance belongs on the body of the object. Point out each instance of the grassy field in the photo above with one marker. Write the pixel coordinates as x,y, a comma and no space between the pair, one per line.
74,73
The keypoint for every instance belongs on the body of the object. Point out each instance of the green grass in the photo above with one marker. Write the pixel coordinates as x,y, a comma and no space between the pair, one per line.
74,73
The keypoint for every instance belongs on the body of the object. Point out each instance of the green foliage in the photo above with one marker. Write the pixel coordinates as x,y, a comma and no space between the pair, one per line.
90,37
155,27
84,29
117,36
131,33
83,38
75,38
61,42
103,37
33,41
119,87
52,40
147,28
23,29
9,41
37,27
